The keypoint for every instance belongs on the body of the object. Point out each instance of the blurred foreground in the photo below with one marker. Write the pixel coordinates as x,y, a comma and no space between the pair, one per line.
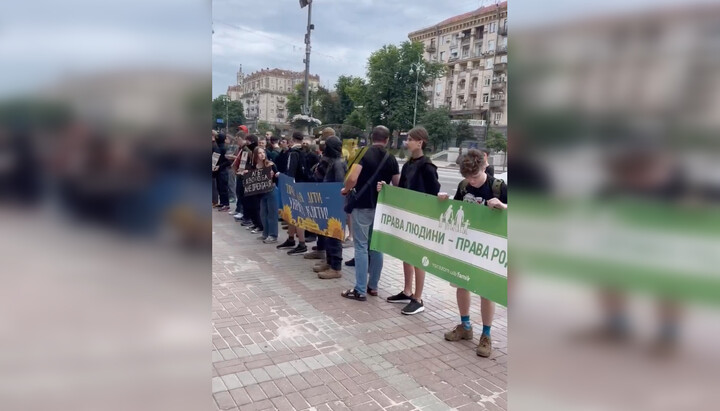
615,222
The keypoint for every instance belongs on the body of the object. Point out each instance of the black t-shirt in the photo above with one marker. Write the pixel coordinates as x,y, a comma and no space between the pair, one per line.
370,163
480,194
420,174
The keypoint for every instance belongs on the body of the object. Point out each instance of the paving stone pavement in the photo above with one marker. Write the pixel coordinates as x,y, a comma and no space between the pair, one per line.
285,340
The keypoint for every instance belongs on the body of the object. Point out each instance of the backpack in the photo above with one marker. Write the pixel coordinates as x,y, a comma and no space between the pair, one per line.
303,173
496,187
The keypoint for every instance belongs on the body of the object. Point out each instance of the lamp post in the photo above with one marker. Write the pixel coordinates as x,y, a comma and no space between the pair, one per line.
418,67
310,27
227,116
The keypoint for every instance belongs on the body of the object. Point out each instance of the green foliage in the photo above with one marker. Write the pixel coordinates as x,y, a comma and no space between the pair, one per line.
356,119
496,141
351,93
463,131
437,123
323,105
263,127
401,154
222,107
390,94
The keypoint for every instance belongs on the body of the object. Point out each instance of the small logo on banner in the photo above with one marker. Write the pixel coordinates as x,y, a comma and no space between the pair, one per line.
425,261
455,221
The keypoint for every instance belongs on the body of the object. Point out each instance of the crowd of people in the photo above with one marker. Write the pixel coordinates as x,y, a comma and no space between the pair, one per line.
323,160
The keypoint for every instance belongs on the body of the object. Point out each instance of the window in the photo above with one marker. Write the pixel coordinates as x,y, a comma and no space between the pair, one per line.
267,82
493,27
442,56
486,81
503,59
488,63
486,98
498,116
491,45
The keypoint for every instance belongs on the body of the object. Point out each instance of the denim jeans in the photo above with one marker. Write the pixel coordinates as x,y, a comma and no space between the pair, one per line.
269,213
239,194
362,220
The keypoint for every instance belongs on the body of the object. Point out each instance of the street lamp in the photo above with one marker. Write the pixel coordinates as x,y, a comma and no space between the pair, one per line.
310,26
417,67
227,116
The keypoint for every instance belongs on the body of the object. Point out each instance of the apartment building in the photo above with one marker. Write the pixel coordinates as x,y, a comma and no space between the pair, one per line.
264,93
473,46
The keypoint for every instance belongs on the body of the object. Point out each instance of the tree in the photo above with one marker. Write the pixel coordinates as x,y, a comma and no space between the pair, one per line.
496,141
322,104
392,74
351,93
463,131
356,119
438,125
263,127
222,106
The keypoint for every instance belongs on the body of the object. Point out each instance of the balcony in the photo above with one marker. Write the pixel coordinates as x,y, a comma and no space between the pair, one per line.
502,31
431,48
497,103
500,67
465,41
453,59
465,112
501,50
498,84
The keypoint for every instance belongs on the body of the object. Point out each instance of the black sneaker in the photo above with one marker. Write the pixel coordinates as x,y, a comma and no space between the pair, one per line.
350,262
246,223
300,249
399,298
289,243
414,307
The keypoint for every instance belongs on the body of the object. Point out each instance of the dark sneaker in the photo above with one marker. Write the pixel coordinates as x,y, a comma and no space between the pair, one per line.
414,307
246,223
484,348
399,298
300,249
350,262
459,333
224,208
289,243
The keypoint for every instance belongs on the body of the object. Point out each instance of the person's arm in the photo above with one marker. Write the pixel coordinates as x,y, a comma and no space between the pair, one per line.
338,171
352,179
395,180
432,182
499,203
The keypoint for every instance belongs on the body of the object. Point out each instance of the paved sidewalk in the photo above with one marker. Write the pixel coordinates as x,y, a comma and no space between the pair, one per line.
284,339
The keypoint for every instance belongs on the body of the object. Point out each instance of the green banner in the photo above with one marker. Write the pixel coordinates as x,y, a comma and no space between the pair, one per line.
463,243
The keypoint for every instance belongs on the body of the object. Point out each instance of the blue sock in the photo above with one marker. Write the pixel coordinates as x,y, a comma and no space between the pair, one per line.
486,330
465,319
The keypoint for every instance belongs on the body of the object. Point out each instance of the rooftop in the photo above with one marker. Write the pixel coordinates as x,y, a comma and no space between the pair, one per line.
461,17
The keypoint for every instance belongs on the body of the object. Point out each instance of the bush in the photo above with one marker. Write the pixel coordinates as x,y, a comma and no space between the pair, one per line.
401,155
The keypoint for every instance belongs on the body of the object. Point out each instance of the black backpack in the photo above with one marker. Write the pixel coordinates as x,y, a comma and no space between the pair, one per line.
303,171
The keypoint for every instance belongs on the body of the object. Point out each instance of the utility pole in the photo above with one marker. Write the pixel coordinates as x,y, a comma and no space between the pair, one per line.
308,3
227,117
418,66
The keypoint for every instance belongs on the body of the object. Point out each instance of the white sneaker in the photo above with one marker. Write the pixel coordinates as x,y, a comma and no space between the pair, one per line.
270,240
238,216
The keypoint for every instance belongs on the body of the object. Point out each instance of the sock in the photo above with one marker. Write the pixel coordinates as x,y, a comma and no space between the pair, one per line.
486,330
465,319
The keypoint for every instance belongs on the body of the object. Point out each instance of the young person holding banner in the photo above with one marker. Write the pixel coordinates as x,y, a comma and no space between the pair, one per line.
377,164
268,201
479,188
418,174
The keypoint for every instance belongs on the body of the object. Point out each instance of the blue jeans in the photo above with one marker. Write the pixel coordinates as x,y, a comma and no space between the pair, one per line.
362,221
269,214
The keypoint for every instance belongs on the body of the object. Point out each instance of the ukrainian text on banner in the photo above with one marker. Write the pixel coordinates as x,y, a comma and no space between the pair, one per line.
258,181
463,243
316,207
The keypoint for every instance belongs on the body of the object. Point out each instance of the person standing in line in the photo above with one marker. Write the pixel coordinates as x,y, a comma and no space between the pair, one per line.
296,169
418,174
479,188
377,164
268,201
220,172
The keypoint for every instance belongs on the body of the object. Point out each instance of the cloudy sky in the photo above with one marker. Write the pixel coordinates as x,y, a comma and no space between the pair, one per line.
269,33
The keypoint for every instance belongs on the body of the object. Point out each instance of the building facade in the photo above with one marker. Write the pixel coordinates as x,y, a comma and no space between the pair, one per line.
264,94
473,46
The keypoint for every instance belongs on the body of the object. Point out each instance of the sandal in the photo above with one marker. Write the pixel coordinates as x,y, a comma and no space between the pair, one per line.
372,292
353,295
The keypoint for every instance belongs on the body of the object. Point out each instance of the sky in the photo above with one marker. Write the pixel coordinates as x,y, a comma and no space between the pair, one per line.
270,33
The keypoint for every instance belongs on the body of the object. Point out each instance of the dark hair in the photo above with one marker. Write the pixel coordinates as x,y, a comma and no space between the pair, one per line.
298,136
380,134
419,133
473,162
251,139
486,151
220,138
